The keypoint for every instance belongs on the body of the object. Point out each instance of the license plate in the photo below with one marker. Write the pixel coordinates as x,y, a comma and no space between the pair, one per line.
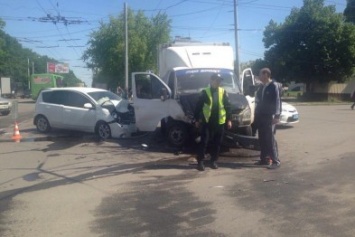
295,116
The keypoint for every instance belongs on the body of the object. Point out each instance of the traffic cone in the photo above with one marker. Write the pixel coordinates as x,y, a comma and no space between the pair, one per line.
16,136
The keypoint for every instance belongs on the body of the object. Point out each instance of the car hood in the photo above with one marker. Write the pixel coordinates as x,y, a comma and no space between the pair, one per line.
4,100
121,105
189,101
288,107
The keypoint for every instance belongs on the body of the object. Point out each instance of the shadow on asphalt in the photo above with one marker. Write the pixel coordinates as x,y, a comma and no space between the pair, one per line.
145,142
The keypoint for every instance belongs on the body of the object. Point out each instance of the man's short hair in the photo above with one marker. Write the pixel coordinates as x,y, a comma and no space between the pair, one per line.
266,71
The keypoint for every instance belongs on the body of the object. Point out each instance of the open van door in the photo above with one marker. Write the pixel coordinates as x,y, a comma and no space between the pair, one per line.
248,82
248,88
151,100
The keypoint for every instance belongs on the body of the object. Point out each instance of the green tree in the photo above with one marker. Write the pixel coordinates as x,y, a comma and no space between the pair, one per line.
17,62
313,44
106,51
349,11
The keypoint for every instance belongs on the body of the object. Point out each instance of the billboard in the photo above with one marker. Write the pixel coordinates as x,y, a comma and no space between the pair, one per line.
57,68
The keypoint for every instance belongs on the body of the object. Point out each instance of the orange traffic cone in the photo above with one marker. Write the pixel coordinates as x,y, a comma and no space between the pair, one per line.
16,136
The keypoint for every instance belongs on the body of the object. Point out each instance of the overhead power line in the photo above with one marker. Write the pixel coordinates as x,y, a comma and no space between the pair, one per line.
58,19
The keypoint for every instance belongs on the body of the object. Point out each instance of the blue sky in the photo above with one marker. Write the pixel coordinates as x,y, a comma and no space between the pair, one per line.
203,20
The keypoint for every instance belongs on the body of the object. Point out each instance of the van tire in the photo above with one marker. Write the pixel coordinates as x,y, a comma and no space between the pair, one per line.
42,124
5,113
177,134
103,130
247,131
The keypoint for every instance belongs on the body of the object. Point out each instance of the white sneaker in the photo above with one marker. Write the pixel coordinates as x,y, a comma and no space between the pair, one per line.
274,165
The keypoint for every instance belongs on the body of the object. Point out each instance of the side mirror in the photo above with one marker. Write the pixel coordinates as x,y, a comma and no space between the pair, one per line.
88,106
164,95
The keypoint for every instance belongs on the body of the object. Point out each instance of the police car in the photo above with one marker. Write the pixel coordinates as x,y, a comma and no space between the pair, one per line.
289,114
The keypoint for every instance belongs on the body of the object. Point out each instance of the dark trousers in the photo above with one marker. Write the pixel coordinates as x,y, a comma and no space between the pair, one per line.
211,139
268,144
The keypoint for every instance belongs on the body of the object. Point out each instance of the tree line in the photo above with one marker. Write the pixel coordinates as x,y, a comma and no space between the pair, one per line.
313,44
106,52
17,62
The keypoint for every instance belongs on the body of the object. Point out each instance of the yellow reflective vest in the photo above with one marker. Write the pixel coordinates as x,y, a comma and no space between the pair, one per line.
207,108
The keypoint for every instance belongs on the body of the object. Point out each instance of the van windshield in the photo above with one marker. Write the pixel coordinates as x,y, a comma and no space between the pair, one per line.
194,80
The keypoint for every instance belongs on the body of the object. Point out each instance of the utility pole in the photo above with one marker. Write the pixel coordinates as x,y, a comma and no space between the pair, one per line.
126,48
237,63
28,73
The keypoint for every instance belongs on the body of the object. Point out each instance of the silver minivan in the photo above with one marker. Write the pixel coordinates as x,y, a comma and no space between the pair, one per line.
84,109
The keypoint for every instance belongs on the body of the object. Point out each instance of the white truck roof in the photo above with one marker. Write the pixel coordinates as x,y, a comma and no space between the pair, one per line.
195,55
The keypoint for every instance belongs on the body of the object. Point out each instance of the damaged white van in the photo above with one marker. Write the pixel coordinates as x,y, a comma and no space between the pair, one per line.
172,104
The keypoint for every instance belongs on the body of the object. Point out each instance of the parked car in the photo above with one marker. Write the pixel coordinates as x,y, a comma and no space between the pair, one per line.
289,114
84,109
5,106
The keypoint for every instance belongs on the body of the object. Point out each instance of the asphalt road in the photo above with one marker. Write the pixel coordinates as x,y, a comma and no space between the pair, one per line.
70,184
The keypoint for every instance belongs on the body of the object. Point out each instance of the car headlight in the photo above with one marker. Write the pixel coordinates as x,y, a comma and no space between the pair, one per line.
242,117
246,115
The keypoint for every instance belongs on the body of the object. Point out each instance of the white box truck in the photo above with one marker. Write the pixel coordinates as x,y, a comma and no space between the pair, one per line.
6,87
170,101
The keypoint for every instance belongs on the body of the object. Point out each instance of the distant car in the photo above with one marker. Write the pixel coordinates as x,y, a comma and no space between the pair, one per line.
5,106
84,109
289,114
26,94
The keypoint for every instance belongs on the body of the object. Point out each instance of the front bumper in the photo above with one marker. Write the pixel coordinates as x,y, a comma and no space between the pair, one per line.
122,131
289,118
5,108
237,140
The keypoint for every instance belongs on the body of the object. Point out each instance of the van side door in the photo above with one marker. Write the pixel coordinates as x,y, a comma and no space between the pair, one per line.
151,100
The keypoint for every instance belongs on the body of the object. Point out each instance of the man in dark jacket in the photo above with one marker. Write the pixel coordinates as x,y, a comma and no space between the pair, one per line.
267,115
211,114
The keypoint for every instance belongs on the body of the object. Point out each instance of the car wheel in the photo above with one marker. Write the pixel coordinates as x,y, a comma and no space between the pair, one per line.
42,124
5,113
177,134
103,130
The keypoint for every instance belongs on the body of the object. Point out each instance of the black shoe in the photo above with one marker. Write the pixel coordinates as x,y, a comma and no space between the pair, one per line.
214,165
200,166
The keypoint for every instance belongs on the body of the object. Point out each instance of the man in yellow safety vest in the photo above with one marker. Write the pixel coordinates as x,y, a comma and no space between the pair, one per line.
211,115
